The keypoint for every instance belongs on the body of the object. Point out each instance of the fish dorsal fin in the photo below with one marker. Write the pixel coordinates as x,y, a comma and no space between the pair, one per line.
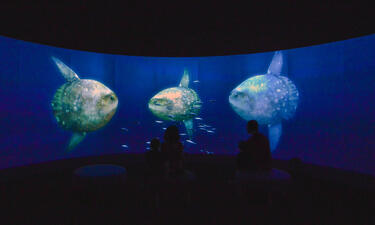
276,64
185,80
68,73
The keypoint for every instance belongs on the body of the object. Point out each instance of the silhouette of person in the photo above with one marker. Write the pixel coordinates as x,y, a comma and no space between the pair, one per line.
154,158
172,150
177,177
255,153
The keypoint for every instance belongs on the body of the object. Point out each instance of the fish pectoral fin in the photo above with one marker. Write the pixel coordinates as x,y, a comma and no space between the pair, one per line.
189,127
67,73
185,80
274,133
75,140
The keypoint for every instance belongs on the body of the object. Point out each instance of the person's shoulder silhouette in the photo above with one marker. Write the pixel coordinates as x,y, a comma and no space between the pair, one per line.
154,148
256,138
256,150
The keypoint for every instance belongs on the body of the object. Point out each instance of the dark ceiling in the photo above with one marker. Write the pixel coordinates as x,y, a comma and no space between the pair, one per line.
184,28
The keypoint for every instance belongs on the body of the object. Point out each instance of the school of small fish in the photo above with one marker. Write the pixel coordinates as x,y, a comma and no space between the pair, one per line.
201,126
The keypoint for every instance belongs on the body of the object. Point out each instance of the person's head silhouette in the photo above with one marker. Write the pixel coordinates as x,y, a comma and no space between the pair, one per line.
252,127
155,143
171,134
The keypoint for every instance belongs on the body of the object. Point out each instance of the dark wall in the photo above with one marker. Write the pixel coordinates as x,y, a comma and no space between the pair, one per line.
190,28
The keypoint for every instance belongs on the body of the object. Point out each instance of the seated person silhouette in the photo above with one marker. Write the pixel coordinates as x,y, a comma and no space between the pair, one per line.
255,153
155,159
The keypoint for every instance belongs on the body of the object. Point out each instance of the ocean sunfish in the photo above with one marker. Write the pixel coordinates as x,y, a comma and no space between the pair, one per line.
267,98
177,104
82,105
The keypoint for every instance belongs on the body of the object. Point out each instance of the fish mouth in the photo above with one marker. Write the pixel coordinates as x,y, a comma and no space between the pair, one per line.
234,98
111,113
231,100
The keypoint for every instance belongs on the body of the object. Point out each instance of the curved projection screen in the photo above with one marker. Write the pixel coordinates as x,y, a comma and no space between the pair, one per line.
316,103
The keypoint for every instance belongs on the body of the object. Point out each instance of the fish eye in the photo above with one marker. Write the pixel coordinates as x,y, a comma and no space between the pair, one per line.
109,97
236,94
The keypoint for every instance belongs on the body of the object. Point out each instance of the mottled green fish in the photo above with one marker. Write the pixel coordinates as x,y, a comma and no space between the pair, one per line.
267,98
177,104
82,105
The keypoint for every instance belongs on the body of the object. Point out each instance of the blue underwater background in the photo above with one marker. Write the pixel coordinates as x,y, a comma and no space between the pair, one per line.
333,125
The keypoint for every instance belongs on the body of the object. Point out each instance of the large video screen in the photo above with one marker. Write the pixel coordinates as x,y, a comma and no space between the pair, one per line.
315,103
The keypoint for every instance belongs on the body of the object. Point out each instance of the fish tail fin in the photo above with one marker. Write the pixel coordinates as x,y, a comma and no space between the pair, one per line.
75,140
274,133
189,127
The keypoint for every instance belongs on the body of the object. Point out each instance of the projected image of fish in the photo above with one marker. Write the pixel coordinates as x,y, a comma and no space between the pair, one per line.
177,104
268,99
82,105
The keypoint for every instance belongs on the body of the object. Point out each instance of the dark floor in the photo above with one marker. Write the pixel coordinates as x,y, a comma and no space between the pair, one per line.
50,198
